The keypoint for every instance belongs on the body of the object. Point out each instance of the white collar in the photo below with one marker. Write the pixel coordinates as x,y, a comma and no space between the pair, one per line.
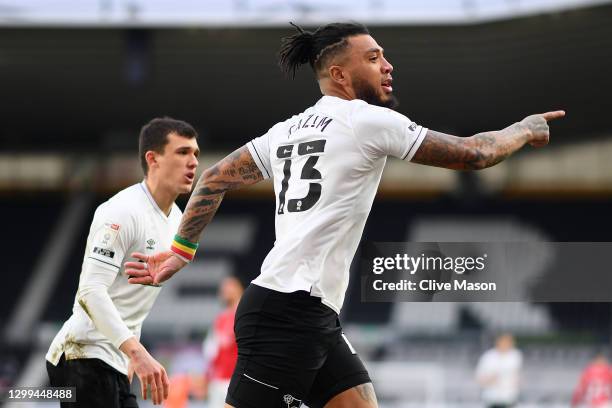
145,189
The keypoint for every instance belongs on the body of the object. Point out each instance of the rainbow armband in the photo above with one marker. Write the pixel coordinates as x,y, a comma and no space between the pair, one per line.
184,249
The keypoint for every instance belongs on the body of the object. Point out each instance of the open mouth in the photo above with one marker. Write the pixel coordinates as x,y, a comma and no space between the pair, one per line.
189,177
386,85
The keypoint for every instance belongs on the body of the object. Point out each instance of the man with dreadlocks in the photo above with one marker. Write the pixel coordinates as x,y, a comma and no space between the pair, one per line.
326,163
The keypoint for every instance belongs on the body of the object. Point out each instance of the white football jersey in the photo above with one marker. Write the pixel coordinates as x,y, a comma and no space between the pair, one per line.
326,164
503,369
107,309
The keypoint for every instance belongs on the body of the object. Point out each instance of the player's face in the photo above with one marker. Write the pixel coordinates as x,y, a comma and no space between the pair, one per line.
370,72
177,164
505,343
230,291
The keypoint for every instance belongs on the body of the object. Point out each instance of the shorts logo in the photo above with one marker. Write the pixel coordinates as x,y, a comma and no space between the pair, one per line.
291,401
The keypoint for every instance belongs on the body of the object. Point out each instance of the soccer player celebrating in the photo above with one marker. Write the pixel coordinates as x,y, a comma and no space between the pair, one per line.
97,349
326,164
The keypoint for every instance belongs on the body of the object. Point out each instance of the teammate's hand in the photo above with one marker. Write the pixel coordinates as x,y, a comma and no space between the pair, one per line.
153,269
538,127
151,375
130,371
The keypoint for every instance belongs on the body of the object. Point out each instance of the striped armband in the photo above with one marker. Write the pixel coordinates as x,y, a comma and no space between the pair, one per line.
184,249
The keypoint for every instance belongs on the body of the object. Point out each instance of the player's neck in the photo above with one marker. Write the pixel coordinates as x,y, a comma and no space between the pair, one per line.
338,92
163,198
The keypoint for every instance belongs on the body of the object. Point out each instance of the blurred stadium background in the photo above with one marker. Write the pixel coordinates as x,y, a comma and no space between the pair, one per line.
79,78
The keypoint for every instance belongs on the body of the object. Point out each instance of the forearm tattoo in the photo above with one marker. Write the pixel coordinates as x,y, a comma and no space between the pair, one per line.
470,153
236,170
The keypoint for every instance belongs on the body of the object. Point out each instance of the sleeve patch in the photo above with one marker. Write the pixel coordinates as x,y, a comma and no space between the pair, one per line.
104,252
106,236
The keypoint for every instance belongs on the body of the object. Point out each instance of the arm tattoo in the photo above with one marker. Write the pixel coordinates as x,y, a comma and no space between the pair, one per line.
470,153
236,170
366,392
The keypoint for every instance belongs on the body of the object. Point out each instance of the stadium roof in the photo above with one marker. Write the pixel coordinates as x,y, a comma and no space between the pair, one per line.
81,87
269,13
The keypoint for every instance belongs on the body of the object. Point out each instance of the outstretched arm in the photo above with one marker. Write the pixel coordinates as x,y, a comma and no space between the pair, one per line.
236,170
484,149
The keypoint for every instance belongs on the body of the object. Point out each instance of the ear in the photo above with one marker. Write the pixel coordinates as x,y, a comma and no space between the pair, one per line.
338,74
151,158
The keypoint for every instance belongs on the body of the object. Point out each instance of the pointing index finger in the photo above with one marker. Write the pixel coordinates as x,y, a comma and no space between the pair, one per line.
553,115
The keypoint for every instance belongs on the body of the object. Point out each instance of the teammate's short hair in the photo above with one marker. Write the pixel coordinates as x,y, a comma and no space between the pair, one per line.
316,48
154,136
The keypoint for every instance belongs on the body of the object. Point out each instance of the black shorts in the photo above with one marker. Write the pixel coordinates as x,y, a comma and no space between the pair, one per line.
291,349
97,384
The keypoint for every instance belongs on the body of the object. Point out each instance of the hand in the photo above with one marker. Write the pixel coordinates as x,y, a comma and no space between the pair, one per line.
151,374
130,371
537,125
149,371
153,269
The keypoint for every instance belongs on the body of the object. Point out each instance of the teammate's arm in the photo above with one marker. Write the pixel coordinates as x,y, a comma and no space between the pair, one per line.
93,297
234,171
484,149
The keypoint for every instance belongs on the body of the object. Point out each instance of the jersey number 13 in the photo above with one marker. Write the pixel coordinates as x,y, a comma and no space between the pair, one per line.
308,173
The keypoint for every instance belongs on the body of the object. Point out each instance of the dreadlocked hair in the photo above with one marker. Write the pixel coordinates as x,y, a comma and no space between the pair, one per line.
315,47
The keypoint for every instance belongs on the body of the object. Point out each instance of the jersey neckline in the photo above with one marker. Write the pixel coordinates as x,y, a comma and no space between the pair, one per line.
145,189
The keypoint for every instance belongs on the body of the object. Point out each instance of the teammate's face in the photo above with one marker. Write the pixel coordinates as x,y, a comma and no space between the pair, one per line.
177,164
370,72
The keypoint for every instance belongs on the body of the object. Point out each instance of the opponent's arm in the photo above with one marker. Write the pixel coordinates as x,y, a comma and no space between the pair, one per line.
484,149
234,171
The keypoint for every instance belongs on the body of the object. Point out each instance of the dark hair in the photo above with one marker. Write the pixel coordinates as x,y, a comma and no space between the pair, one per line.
154,136
315,47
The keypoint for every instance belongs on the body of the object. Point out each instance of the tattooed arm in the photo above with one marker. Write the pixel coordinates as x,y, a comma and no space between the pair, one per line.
236,170
484,149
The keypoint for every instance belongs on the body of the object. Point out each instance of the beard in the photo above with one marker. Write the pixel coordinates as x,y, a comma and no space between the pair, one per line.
369,94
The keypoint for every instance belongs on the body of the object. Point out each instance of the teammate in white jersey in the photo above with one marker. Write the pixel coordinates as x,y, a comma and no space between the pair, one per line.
97,350
326,164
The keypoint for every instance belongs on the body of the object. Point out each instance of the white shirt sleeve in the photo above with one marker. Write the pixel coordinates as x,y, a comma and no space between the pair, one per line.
93,297
384,132
110,235
483,369
110,241
260,150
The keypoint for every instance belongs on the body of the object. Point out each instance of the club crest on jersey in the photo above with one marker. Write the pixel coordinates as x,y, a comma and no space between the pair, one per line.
291,401
151,243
